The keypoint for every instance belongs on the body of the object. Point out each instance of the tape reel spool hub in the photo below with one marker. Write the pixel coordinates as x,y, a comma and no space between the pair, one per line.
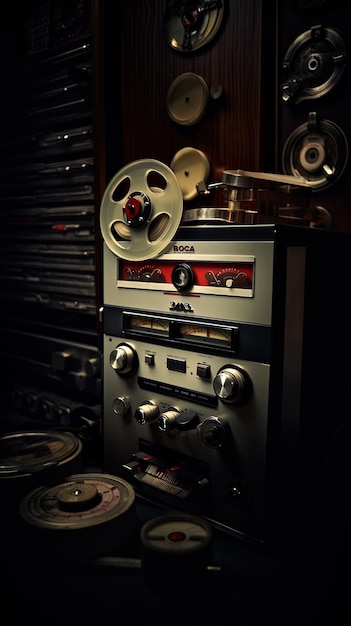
84,516
141,210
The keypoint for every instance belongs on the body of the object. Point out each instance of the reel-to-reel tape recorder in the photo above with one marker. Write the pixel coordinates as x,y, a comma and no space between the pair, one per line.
220,387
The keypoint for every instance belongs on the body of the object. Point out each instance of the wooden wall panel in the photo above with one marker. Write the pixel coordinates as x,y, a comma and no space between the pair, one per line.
248,126
141,60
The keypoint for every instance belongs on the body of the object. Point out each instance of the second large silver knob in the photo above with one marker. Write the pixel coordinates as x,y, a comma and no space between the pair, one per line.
232,384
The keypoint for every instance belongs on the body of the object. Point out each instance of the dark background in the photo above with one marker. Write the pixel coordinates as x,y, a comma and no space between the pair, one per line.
50,334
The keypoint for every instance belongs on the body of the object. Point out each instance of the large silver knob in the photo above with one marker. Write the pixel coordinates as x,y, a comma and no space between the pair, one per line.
124,359
232,384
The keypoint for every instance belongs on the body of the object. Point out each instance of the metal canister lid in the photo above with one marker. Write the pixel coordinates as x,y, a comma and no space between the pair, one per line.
190,166
24,454
187,99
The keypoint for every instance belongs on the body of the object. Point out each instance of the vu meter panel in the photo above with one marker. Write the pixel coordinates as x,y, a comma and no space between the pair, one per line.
232,275
193,331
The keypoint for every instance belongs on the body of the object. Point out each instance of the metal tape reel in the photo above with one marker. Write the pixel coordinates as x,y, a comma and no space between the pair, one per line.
314,64
190,25
318,151
84,516
141,210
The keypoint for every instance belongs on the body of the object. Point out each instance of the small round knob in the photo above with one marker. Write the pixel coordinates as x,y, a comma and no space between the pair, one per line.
232,384
147,412
121,405
182,277
213,431
124,359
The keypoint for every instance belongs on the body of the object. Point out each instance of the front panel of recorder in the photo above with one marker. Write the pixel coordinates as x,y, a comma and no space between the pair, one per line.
187,340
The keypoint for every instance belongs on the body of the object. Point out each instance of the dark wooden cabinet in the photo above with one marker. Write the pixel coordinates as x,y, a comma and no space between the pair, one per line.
49,340
86,91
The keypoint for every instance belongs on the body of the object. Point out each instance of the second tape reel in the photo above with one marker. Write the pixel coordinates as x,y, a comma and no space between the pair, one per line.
141,210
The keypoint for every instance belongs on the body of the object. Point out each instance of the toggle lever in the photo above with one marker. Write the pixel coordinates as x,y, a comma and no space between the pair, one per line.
173,418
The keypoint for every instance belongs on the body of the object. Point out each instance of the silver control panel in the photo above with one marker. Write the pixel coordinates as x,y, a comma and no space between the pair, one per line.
213,375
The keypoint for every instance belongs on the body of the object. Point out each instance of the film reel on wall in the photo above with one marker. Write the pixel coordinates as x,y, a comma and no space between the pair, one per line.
317,150
189,25
141,210
313,64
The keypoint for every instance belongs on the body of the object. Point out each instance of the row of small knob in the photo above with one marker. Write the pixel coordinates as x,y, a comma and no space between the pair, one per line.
213,431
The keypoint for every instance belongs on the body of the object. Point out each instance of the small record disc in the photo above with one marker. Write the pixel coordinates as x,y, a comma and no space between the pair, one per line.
179,545
84,516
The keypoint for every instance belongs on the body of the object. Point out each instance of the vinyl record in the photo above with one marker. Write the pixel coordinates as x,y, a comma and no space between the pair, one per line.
141,210
81,517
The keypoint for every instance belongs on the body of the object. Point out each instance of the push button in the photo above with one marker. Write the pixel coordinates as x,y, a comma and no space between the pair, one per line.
203,370
149,359
176,365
